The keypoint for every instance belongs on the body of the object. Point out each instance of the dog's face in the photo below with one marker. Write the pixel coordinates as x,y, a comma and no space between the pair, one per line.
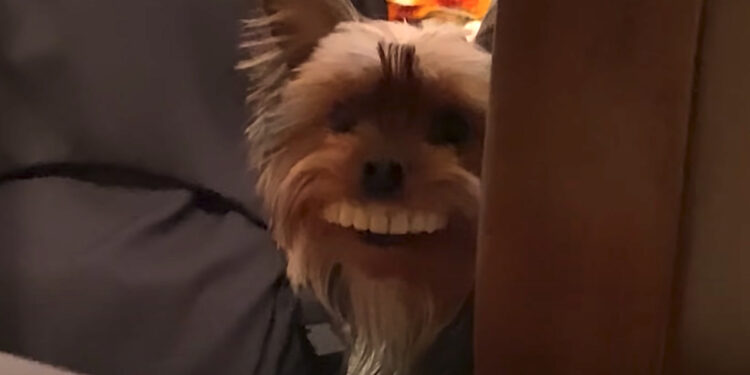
370,157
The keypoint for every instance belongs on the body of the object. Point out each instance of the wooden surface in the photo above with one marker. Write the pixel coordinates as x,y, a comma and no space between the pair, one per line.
583,182
711,332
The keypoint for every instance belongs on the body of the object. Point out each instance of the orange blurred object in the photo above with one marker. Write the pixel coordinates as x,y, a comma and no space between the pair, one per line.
415,10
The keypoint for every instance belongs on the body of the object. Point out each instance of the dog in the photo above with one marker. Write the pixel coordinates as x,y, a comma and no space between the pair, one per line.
367,138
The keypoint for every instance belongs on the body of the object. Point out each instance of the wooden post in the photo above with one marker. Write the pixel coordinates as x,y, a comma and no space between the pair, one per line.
582,183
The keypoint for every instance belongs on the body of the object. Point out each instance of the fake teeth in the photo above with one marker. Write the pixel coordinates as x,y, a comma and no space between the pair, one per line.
382,220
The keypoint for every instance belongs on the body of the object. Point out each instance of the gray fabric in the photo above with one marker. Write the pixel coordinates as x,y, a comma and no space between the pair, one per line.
148,84
107,280
105,269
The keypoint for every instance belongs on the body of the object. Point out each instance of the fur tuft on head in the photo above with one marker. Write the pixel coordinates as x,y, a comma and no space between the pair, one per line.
398,61
364,132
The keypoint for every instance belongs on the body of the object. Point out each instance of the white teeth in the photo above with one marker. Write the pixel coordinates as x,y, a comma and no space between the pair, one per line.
436,222
418,223
346,215
376,219
432,222
331,213
361,219
399,223
379,223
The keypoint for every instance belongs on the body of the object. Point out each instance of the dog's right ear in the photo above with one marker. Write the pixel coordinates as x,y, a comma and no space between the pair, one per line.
300,24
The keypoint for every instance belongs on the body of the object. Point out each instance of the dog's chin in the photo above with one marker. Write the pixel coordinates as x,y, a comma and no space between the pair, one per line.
405,274
396,275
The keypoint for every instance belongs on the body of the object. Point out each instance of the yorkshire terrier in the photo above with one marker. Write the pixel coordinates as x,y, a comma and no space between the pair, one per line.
367,139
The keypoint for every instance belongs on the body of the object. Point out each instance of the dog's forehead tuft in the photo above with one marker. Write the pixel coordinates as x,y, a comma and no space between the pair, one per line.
361,54
361,44
398,60
359,58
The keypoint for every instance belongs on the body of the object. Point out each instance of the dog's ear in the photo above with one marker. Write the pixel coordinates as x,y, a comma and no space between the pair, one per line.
486,34
300,24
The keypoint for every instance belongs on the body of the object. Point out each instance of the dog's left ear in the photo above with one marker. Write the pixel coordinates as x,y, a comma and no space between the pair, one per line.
300,24
486,34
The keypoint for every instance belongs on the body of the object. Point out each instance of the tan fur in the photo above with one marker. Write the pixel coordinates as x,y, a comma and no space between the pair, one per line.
394,300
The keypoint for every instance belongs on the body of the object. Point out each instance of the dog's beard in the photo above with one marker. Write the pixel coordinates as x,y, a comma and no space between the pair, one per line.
388,323
391,312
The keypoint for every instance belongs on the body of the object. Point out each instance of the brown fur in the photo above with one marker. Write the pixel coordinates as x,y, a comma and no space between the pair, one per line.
394,299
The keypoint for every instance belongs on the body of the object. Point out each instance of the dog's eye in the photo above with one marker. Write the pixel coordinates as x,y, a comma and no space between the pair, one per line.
449,127
341,119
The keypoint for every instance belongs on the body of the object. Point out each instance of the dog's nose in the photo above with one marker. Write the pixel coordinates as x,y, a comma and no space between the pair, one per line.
382,178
